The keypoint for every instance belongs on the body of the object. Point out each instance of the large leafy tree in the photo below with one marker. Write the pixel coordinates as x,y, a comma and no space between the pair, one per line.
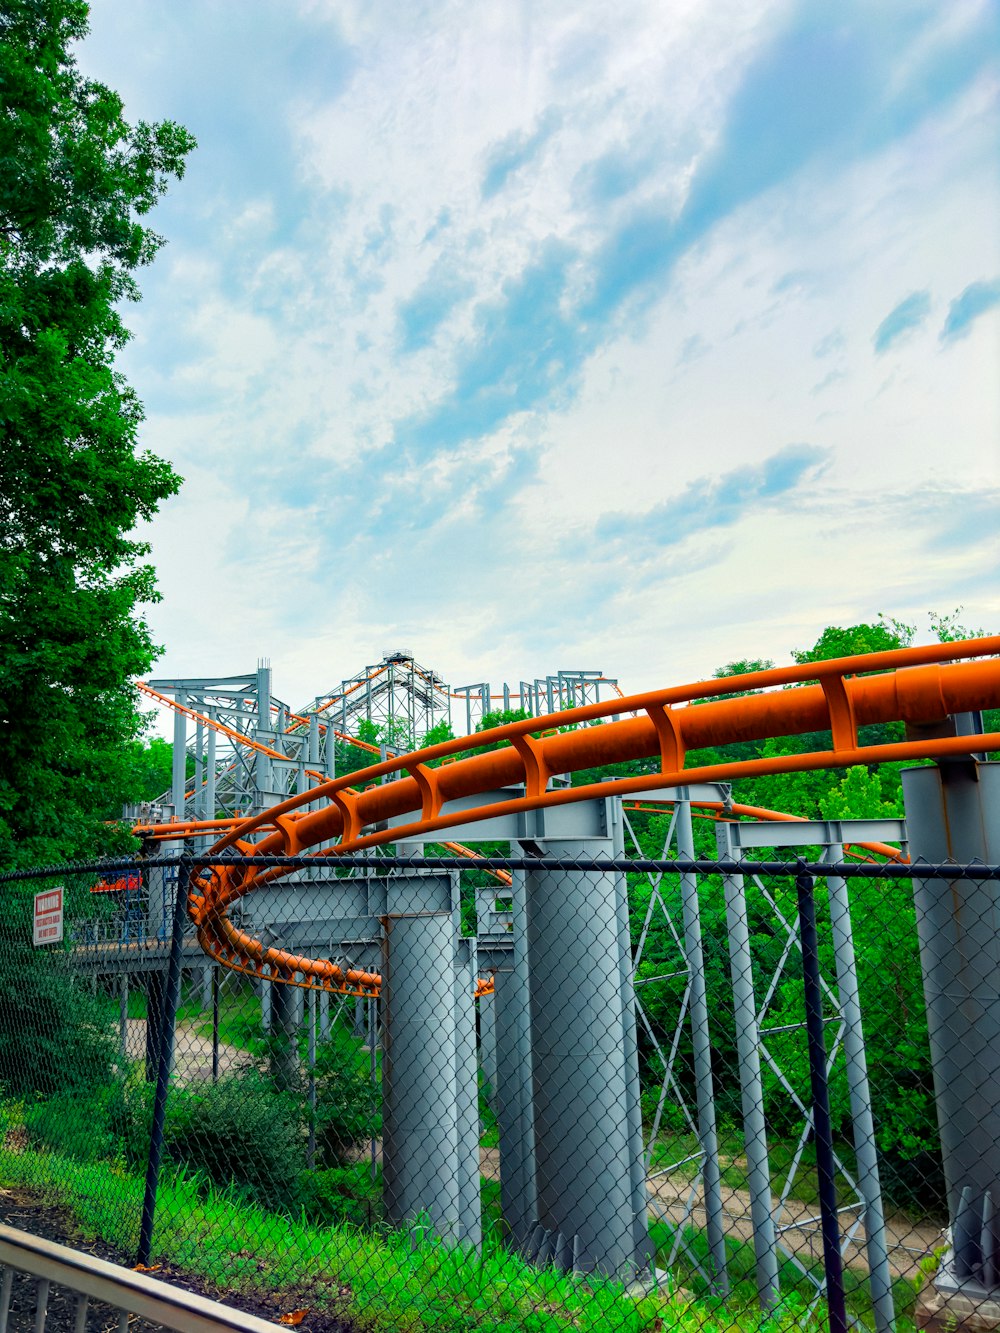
76,182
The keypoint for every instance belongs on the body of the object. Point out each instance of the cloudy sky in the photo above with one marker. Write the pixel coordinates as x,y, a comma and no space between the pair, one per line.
640,336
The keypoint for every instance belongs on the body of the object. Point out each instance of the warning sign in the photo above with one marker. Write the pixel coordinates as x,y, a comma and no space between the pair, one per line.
49,917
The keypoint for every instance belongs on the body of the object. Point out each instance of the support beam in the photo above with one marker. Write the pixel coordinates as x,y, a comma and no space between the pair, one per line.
869,1184
592,1205
287,1016
430,1122
701,1048
518,1191
179,759
953,813
752,1091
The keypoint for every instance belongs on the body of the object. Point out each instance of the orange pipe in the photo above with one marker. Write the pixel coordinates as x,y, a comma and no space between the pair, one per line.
921,685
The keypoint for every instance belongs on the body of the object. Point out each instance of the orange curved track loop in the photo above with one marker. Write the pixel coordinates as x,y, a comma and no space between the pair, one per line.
917,685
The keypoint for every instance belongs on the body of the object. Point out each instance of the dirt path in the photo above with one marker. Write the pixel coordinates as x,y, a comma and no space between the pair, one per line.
908,1242
192,1052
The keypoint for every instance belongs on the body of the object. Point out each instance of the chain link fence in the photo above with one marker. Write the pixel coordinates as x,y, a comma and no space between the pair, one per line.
545,1092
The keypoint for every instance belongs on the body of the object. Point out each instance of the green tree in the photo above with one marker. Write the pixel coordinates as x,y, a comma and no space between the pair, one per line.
437,735
152,768
881,636
76,180
501,717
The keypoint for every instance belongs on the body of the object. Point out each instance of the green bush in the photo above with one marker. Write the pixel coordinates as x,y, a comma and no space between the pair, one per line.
130,1118
114,1121
340,1194
77,1127
239,1133
55,1036
348,1110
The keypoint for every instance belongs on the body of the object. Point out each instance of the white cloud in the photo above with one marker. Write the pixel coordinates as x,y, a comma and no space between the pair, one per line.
270,352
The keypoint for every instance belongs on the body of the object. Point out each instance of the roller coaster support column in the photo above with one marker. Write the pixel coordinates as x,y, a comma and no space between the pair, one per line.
179,758
262,731
751,1089
209,798
430,1113
287,1016
494,924
161,885
953,813
861,1106
512,1018
592,1200
488,1046
702,1046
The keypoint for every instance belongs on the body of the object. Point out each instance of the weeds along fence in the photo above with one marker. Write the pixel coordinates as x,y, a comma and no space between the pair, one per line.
544,1093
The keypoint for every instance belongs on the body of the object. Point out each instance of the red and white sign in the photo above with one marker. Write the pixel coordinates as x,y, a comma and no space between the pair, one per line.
49,917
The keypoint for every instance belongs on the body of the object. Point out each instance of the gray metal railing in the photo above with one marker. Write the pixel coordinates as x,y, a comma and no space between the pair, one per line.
89,1278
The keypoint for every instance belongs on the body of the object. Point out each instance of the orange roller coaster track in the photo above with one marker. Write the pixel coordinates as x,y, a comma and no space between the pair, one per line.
921,686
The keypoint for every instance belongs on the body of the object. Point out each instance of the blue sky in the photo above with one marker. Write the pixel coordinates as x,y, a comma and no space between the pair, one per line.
641,337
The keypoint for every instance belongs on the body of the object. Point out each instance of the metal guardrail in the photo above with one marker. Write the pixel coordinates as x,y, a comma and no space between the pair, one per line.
126,1291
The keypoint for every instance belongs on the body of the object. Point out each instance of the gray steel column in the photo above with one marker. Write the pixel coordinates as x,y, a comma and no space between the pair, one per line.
488,1046
262,731
123,1015
311,1091
198,803
210,775
430,1125
266,988
630,1043
287,1011
701,1046
585,1146
752,1091
324,1015
514,1107
861,1103
467,1089
161,882
953,813
331,751
179,758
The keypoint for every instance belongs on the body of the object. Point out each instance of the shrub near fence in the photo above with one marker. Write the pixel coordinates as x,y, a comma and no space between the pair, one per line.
273,1175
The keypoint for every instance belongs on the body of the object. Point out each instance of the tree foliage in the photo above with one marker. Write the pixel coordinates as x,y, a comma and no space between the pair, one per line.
76,182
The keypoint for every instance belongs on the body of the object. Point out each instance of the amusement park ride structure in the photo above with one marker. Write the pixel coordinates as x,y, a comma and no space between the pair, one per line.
270,790
250,750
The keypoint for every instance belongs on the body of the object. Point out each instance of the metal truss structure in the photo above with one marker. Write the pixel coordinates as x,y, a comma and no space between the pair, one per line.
249,750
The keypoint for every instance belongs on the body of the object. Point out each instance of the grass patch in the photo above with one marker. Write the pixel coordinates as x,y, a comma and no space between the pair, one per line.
380,1281
741,1267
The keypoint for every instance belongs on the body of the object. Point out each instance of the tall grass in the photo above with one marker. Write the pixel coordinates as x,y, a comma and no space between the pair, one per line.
408,1282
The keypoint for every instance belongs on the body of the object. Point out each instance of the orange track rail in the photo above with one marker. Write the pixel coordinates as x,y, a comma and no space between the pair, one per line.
917,685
